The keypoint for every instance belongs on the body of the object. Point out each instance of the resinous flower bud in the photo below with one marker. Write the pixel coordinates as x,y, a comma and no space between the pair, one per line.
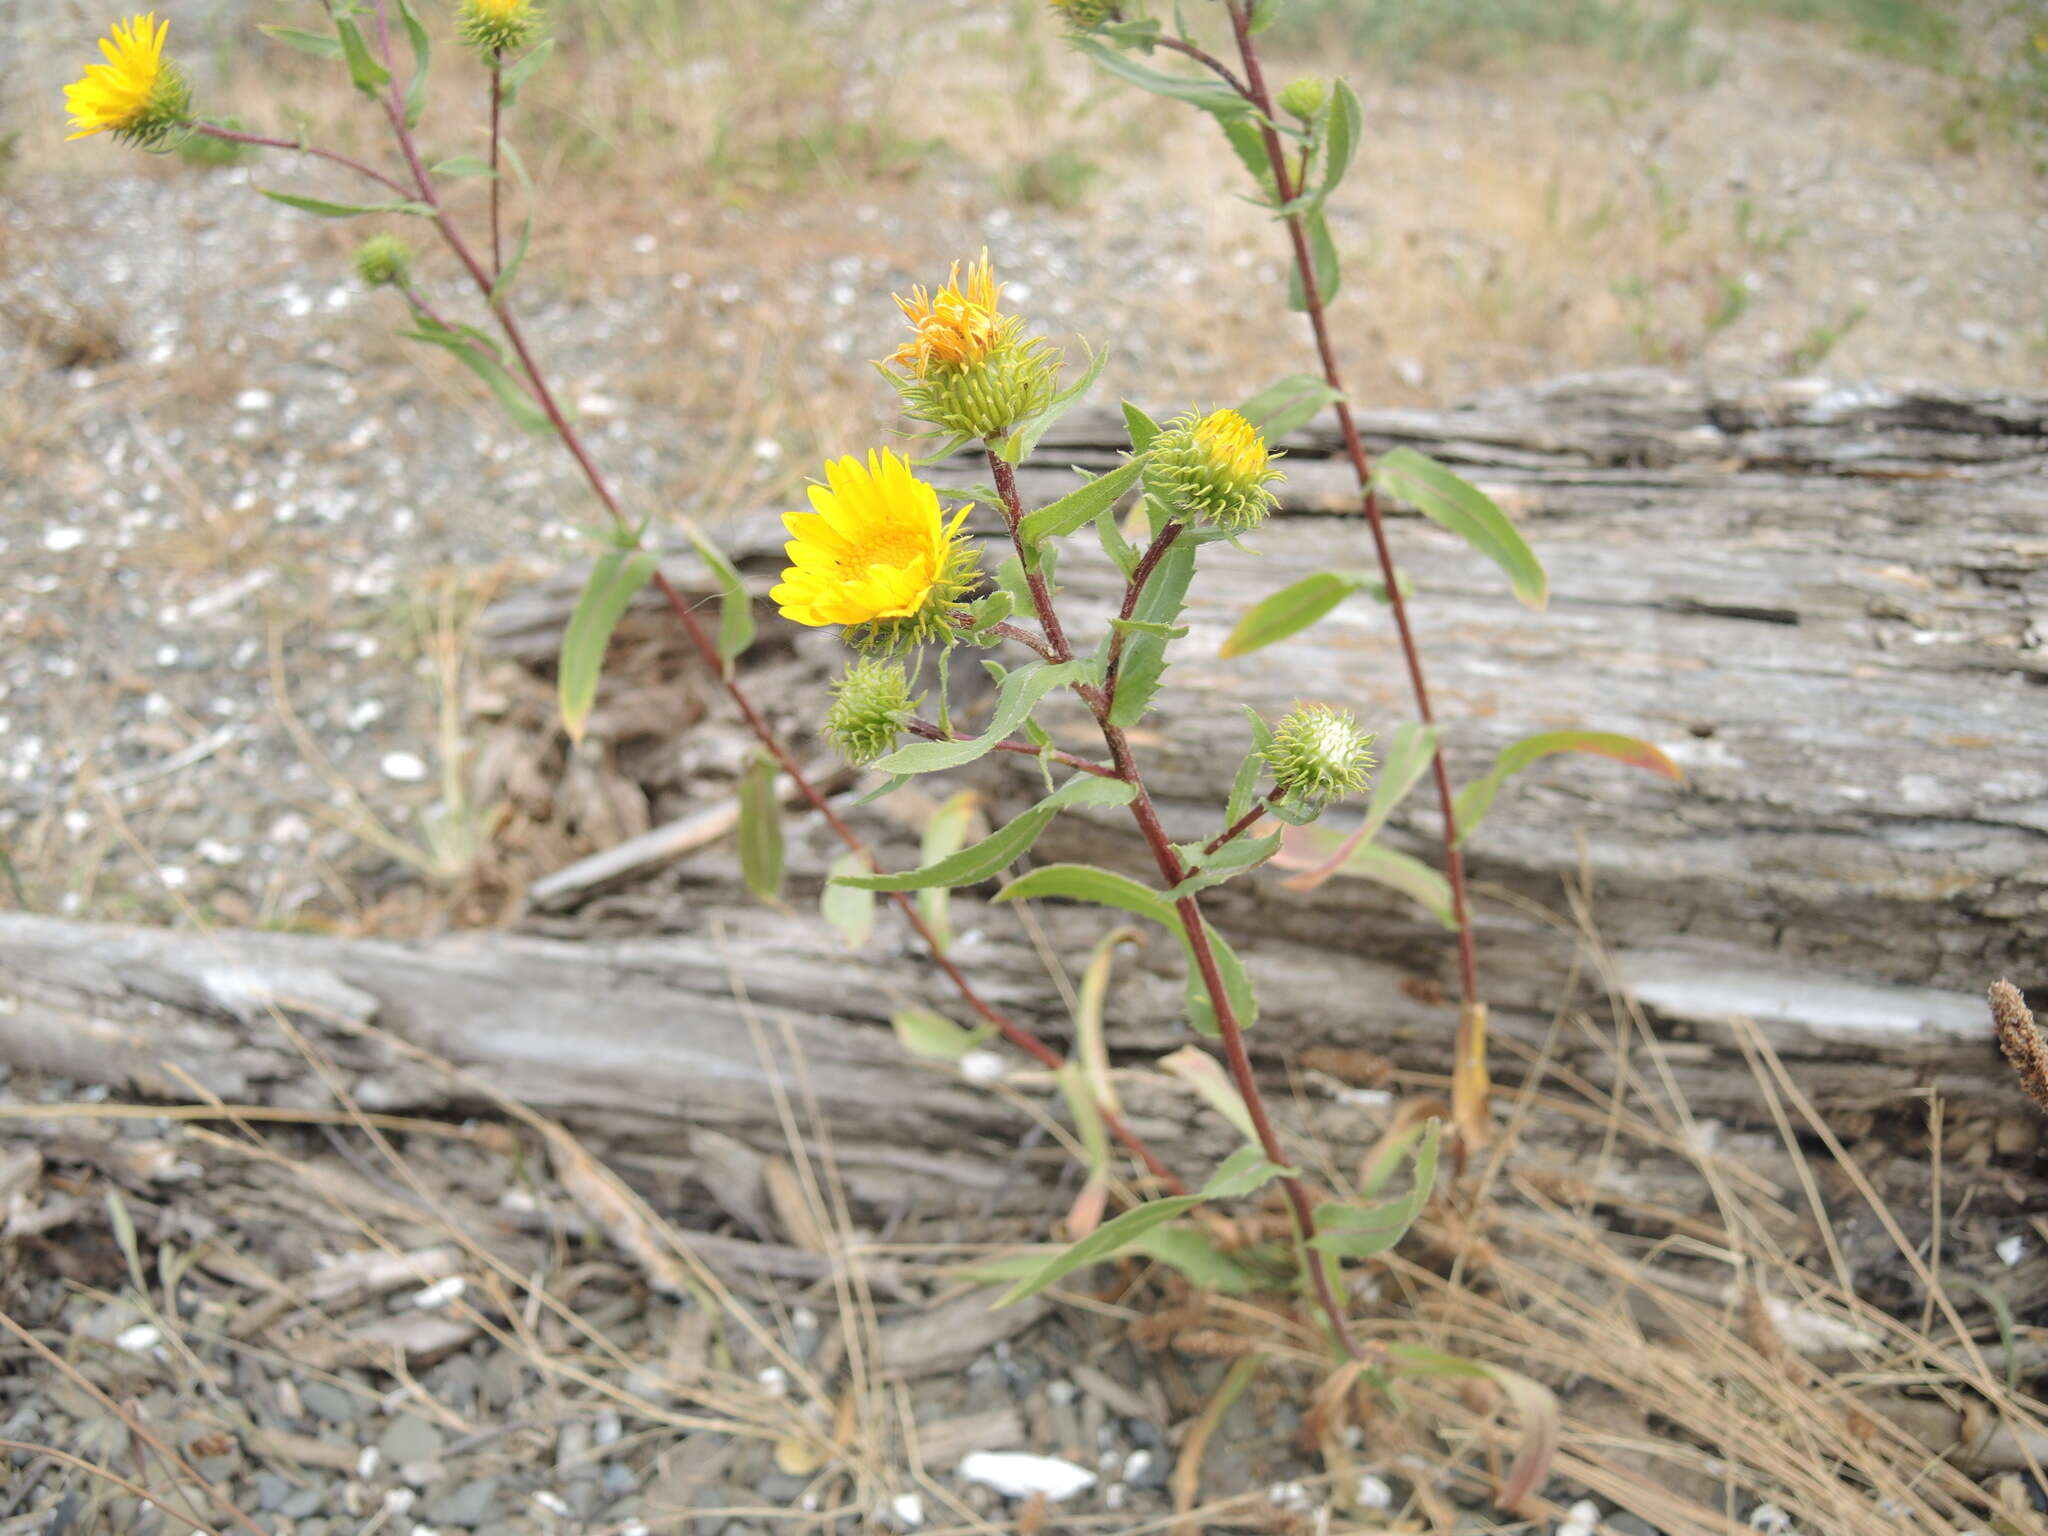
1086,15
1305,97
500,26
869,707
383,260
970,369
137,95
1319,754
1213,469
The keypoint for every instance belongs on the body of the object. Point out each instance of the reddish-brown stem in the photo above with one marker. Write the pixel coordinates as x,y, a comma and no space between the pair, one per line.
1133,590
233,136
699,637
1022,636
1013,514
931,732
1206,59
1239,827
1254,91
497,123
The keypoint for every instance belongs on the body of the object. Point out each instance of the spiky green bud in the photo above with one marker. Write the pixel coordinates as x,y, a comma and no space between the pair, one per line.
1306,97
500,26
1213,469
383,260
1086,15
986,397
1318,754
870,704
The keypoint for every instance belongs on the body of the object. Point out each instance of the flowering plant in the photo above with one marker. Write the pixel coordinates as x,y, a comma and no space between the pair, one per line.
881,557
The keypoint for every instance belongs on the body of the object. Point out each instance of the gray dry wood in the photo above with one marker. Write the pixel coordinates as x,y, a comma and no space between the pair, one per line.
1830,605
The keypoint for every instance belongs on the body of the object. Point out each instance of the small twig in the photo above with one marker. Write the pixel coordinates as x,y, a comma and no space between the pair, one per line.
1041,597
1207,60
1240,826
180,1516
1022,636
1133,590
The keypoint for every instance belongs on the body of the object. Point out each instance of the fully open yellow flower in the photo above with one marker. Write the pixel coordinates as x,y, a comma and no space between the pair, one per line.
957,328
875,548
135,92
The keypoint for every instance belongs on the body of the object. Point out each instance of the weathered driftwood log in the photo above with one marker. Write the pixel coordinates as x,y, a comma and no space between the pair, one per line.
1828,605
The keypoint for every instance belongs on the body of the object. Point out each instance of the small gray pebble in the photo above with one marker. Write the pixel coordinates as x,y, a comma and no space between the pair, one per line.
1631,1525
271,1490
410,1438
333,1404
307,1501
781,1488
466,1505
618,1478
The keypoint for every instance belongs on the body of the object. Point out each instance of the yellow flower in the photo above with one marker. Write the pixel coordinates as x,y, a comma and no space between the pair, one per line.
1231,444
875,549
499,26
136,94
1214,470
960,327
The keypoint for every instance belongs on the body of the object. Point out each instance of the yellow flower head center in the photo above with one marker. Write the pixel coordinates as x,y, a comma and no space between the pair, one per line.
959,326
874,545
1231,444
500,10
118,94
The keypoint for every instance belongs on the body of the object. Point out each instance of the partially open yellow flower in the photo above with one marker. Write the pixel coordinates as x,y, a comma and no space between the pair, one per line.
959,327
1213,469
136,93
874,551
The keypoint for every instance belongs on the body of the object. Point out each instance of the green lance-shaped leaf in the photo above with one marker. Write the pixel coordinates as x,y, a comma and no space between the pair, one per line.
1205,1075
934,1036
735,607
1536,1408
1212,96
1360,1231
761,829
1476,798
614,580
480,357
521,70
1409,752
1240,855
1017,696
1143,429
1086,1109
317,44
1295,607
1322,250
1024,439
1144,656
1080,507
369,76
1342,127
1237,1177
329,210
422,63
1084,882
1289,405
1192,1252
1248,140
943,834
1394,869
1002,848
1245,787
510,274
464,165
1453,502
846,907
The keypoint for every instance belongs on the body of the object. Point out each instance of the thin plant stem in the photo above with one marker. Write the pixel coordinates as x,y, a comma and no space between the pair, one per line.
1255,91
497,139
1239,827
1189,909
234,136
700,638
1013,514
1133,590
931,732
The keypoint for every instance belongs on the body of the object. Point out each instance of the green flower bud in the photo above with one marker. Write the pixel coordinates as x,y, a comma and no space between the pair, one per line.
869,706
1318,754
500,26
383,260
987,397
1086,15
1306,97
1214,470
